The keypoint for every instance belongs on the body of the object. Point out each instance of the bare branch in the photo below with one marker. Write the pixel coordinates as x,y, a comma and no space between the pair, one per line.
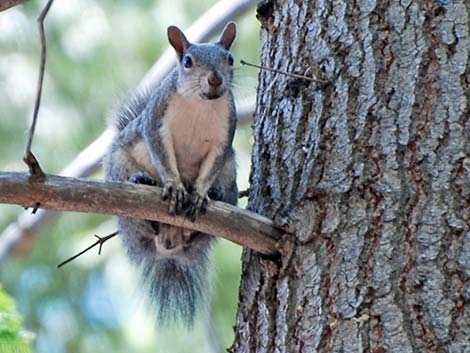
31,161
302,77
100,242
141,201
6,4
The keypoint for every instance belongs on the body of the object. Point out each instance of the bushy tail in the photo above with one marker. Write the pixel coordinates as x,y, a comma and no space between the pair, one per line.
177,289
130,108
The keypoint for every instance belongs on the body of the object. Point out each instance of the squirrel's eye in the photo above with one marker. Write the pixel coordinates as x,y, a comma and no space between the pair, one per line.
187,62
230,60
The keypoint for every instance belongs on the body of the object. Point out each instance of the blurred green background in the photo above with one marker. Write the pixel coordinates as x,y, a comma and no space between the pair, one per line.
97,51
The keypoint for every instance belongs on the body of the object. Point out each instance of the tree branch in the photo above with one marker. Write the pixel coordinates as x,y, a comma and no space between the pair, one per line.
140,201
6,4
28,157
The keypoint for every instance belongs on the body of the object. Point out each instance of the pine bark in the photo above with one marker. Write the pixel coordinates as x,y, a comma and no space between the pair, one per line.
371,169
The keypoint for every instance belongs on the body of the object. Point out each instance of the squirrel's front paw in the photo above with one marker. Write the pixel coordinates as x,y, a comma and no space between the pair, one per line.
198,205
176,195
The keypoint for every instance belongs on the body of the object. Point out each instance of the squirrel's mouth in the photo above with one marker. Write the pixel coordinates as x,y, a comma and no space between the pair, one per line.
212,94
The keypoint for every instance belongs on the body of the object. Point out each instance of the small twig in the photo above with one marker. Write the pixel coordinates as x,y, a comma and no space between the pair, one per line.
244,193
100,241
32,163
36,207
303,77
273,81
35,170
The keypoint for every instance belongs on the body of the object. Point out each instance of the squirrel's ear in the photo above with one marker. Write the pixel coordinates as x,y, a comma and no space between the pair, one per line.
228,35
178,40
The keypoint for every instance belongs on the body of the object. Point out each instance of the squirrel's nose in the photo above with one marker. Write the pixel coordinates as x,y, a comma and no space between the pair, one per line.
214,79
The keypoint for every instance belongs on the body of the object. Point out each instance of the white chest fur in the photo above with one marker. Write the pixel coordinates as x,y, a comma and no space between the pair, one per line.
195,127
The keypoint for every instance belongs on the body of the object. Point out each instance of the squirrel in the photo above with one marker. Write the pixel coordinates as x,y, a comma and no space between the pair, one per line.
178,135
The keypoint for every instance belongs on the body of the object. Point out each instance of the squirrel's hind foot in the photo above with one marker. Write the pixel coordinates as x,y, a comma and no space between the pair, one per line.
215,194
142,178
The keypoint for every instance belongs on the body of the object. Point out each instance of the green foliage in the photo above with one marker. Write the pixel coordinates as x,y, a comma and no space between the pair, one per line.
12,338
97,51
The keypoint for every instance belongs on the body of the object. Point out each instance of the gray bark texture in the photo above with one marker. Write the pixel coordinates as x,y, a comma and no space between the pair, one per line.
370,170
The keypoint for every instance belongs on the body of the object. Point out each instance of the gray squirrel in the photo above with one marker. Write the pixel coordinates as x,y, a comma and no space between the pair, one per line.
178,135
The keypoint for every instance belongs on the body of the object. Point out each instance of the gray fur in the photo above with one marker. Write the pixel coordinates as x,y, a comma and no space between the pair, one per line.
177,280
131,108
177,289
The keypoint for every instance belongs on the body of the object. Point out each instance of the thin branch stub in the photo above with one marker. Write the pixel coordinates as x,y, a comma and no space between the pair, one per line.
244,193
100,241
303,77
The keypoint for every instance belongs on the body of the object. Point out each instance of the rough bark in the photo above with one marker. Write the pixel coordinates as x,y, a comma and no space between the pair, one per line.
371,170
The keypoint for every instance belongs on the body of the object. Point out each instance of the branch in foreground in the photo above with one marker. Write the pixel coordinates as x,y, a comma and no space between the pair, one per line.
6,4
140,201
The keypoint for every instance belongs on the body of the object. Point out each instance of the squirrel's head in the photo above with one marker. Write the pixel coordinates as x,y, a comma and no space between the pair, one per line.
205,70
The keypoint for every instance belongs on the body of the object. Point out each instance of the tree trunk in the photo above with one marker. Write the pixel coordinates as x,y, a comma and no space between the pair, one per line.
370,168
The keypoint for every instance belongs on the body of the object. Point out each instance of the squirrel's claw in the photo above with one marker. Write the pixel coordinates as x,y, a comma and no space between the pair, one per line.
142,178
176,195
198,206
